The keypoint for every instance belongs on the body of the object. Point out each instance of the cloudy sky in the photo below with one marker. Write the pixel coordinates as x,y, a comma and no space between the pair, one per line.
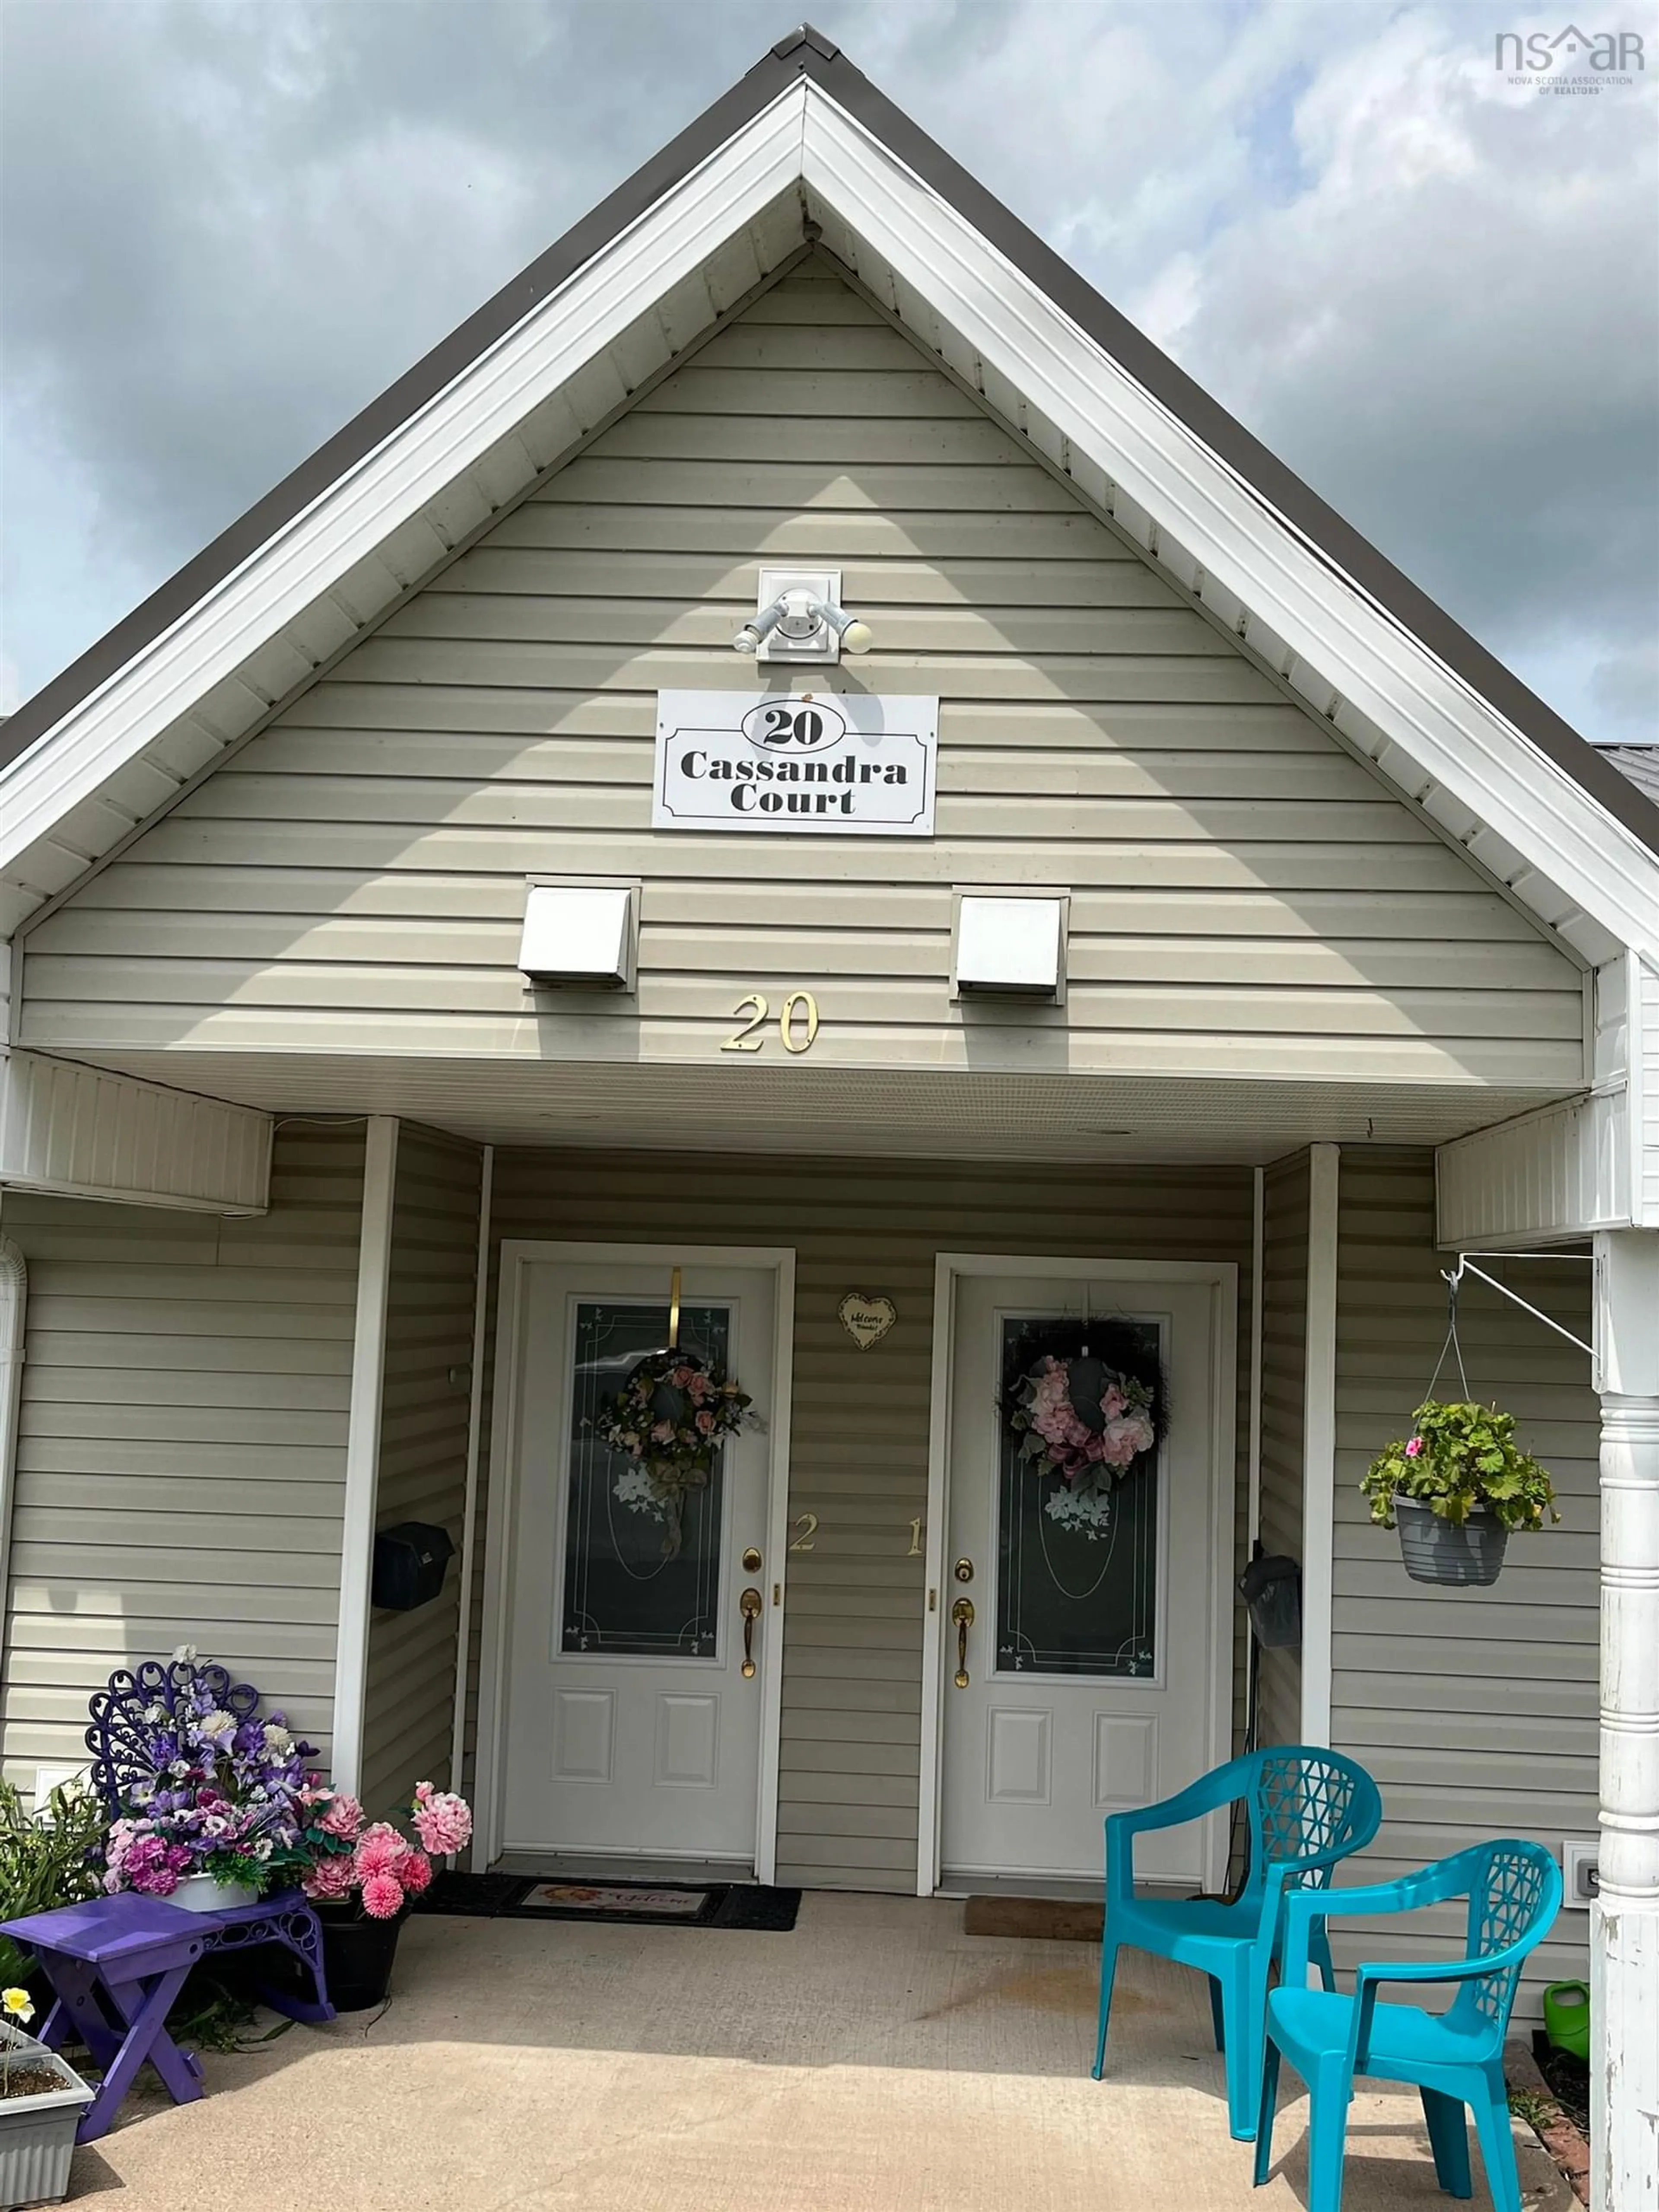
1433,293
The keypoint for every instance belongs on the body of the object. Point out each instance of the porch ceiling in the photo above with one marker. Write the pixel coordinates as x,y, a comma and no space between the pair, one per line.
923,1114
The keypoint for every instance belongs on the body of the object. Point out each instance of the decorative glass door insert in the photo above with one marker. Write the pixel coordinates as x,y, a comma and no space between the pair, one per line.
1076,1587
627,1590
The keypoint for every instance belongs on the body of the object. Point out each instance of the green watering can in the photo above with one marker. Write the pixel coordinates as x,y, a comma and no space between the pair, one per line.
1567,2017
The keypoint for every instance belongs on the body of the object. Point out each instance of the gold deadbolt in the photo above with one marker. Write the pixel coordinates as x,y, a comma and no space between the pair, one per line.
964,1570
751,1561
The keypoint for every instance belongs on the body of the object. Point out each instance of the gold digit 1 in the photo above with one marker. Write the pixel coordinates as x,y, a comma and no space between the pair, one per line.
808,1006
915,1551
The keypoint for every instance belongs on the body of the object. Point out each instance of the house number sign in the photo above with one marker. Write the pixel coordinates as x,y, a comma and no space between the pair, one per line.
800,763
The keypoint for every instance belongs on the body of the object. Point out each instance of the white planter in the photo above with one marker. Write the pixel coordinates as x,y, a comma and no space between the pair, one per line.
37,2134
203,1893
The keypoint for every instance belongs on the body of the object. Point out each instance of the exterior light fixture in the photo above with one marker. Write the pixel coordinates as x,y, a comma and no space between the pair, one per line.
798,617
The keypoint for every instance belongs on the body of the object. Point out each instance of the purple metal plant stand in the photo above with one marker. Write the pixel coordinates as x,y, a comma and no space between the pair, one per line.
117,1965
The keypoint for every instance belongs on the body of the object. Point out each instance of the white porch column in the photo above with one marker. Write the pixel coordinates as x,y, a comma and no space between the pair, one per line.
1624,1919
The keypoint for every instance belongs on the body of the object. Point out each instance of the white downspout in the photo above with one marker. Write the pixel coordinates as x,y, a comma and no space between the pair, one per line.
1624,1915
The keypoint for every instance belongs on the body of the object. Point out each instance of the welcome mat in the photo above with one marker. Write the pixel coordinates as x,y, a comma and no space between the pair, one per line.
635,1904
1055,1919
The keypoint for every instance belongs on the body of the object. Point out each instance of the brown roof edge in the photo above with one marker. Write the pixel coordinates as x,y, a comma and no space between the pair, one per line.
806,52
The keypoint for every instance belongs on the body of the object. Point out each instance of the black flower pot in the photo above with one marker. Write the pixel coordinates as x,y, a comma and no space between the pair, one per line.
357,1956
1456,1554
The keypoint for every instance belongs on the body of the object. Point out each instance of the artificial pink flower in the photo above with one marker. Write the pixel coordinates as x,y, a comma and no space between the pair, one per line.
441,1820
414,1872
380,1850
344,1819
329,1881
1414,1447
662,1432
705,1424
383,1897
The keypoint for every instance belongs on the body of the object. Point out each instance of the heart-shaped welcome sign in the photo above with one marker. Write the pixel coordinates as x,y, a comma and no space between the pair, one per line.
867,1320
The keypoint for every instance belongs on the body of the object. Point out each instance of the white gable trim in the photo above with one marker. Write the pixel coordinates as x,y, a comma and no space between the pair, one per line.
1564,856
1345,651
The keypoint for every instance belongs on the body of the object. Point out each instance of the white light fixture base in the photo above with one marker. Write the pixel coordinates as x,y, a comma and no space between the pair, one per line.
822,647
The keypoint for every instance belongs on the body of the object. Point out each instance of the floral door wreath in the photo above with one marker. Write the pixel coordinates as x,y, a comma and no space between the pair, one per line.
669,1420
1082,1400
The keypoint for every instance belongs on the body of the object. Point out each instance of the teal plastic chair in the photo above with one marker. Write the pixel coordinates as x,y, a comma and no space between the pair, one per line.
1455,2058
1308,1810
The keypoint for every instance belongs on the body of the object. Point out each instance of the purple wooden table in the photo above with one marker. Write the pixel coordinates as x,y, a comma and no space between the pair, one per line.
117,1964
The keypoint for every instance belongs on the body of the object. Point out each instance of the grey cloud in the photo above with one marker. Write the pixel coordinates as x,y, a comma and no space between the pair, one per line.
227,227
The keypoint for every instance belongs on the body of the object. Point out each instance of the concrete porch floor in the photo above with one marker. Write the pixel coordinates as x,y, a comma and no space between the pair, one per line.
875,2060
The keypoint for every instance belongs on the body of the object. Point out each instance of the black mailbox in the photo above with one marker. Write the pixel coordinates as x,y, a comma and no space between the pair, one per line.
410,1560
1271,1588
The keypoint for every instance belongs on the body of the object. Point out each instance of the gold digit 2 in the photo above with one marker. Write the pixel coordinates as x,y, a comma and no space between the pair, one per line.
736,1042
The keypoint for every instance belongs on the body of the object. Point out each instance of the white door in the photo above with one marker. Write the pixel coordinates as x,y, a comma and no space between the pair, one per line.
1092,1675
631,1729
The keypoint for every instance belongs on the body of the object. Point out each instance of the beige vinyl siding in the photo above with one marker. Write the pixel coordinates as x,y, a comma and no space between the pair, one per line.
181,1454
410,1692
852,1627
1475,1709
1246,899
1284,1382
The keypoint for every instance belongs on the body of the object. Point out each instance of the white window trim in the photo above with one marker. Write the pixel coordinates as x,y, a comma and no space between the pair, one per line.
949,1269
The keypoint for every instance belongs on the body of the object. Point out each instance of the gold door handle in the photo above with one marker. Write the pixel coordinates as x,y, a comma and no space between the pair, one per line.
748,1606
962,1614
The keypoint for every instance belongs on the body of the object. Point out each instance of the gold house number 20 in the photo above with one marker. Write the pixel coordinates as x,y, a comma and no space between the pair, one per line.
797,1023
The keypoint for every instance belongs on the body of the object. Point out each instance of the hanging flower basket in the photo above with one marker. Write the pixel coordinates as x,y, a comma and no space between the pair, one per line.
1082,1402
668,1421
1455,1489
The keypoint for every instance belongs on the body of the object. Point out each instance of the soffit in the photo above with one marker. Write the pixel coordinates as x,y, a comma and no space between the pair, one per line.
845,1113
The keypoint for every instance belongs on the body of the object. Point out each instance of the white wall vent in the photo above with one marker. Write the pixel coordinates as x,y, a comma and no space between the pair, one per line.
1010,945
581,936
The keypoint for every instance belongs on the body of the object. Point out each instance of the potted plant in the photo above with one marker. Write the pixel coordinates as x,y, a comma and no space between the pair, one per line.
363,1876
41,2101
205,1788
47,1858
1455,1487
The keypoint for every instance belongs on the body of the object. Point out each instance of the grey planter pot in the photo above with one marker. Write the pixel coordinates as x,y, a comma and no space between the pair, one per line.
37,2134
1457,1557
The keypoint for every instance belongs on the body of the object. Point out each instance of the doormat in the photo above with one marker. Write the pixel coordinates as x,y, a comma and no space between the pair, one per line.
633,1904
1054,1919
